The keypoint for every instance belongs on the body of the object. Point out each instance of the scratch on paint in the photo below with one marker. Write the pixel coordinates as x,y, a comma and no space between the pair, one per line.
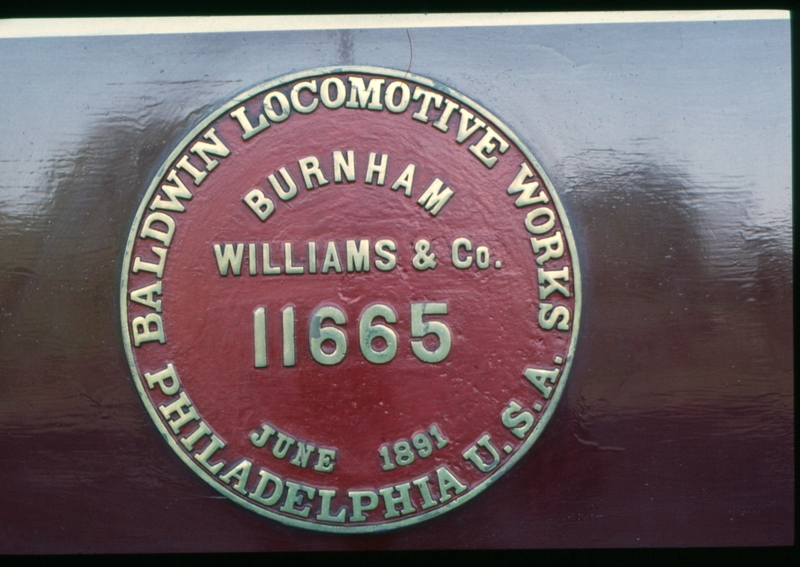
593,444
411,54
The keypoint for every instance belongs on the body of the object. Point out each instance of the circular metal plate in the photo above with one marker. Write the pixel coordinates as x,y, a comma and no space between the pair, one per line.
350,299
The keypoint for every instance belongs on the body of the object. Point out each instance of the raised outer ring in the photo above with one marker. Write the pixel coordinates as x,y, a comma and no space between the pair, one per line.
458,500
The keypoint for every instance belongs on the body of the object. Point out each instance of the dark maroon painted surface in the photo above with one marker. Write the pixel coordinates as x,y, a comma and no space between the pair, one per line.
676,428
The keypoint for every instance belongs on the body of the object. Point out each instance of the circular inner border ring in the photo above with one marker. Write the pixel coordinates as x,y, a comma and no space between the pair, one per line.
541,422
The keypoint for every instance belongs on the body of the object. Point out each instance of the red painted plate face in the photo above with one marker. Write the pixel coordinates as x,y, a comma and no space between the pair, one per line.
350,299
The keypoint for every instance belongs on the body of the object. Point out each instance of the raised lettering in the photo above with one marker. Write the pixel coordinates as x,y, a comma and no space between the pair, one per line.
229,258
549,277
142,331
217,148
434,197
486,145
519,186
249,131
144,296
309,167
173,193
542,380
549,317
361,94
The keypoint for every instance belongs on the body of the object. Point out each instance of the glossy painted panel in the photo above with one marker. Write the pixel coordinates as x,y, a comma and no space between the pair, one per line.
670,145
